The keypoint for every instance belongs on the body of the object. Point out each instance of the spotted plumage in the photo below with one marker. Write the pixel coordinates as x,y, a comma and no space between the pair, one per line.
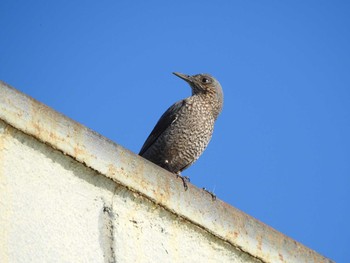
185,129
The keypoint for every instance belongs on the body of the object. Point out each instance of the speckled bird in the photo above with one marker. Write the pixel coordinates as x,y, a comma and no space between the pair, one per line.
185,129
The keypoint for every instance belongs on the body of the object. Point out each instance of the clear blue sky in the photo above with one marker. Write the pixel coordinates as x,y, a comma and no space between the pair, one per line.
281,148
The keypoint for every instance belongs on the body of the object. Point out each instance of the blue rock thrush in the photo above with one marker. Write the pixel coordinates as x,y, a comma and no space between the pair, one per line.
185,129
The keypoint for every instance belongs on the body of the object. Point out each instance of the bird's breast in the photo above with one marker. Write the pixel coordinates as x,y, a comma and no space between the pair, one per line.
193,124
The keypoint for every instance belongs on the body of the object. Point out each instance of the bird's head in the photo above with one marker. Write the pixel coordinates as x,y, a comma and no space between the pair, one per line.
207,85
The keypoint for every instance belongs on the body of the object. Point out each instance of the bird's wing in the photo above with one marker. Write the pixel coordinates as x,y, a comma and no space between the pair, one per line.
164,122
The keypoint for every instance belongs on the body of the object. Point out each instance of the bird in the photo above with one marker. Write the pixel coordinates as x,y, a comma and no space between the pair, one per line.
185,129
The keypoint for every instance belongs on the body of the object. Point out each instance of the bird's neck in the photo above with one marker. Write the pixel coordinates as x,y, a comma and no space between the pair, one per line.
211,100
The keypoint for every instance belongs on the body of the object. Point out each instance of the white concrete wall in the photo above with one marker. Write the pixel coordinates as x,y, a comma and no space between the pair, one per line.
55,209
69,195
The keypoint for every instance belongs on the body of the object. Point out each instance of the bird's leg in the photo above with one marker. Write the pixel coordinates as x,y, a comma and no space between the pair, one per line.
213,196
184,179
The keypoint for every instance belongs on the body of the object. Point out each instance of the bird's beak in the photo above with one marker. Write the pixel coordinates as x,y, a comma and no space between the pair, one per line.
186,78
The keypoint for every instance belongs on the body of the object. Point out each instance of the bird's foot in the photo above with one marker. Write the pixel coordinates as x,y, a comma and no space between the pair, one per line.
185,180
213,196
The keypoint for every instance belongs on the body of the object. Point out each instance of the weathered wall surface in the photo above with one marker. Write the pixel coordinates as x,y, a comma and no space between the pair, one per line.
69,195
54,209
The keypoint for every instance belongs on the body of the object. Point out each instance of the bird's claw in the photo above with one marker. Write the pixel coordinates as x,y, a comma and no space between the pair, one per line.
184,179
213,196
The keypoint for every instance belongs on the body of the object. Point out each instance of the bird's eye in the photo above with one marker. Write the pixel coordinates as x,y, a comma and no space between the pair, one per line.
205,80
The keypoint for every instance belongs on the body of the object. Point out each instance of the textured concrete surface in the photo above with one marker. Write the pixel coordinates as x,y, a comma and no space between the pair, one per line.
54,209
68,194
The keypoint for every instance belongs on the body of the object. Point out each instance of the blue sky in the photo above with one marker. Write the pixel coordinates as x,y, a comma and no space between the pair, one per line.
280,150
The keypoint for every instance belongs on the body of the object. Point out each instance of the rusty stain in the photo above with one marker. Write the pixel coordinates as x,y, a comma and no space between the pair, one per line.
111,170
150,181
19,114
259,246
280,256
79,151
37,129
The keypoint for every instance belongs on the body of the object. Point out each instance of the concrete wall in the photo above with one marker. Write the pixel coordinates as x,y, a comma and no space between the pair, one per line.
69,195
